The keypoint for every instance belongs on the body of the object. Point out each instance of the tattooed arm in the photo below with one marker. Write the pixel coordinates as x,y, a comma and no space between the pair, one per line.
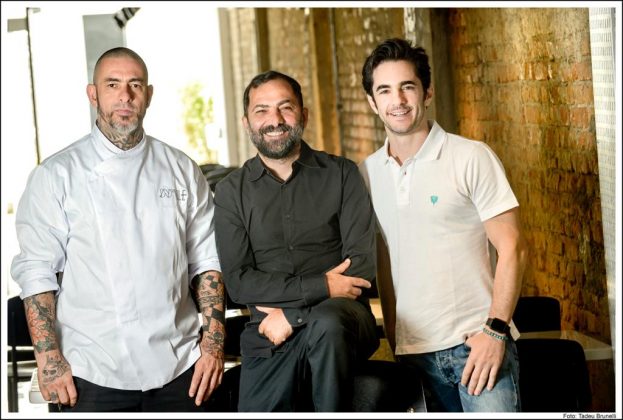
54,373
209,294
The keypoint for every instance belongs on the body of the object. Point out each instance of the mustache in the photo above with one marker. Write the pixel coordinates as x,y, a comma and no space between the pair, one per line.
279,127
400,108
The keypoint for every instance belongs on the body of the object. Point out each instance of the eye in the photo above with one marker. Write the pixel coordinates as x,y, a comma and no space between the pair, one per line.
383,91
111,85
137,85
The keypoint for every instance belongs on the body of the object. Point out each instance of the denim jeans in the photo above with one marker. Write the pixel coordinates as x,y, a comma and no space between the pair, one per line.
442,372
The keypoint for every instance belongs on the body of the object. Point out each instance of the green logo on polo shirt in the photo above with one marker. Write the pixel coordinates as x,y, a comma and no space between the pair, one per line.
433,199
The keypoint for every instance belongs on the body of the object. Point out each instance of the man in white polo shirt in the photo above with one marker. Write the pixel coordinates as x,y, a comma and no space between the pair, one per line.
439,199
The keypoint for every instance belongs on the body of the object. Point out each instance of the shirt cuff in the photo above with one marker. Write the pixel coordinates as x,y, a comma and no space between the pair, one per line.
202,267
314,289
297,317
35,286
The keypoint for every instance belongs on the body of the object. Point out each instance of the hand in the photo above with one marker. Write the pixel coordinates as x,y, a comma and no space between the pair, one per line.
56,381
208,371
274,326
345,286
484,362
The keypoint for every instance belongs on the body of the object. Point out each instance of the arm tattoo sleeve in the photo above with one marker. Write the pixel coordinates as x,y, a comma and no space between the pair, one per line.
41,317
209,294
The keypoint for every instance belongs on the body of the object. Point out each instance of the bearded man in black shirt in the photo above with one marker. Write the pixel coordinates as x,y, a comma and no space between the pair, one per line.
295,236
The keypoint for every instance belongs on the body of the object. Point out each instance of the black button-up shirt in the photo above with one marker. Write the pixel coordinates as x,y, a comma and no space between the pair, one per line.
276,240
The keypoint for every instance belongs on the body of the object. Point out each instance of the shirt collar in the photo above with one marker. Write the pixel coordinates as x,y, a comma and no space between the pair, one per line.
431,148
306,158
102,140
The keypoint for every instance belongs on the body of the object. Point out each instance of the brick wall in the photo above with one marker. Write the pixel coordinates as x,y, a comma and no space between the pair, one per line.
288,35
357,32
524,86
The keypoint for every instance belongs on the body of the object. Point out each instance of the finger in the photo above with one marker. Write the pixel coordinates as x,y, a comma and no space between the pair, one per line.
213,382
467,372
202,389
53,397
362,283
73,394
194,382
63,396
482,381
264,309
342,267
492,377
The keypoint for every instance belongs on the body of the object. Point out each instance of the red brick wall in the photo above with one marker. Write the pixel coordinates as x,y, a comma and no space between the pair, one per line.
357,32
524,86
288,35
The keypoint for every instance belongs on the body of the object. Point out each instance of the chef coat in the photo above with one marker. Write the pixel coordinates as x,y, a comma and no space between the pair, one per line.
128,230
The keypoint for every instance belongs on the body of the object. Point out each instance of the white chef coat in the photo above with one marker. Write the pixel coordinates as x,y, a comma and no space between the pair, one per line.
128,229
430,212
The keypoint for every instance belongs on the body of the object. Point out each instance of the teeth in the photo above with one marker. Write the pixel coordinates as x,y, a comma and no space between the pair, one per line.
398,114
275,133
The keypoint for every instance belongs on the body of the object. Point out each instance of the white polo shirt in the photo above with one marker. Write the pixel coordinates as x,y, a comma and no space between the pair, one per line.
430,212
128,229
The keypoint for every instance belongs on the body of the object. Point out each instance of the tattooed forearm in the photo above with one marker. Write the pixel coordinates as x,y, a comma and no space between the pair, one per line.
209,294
41,316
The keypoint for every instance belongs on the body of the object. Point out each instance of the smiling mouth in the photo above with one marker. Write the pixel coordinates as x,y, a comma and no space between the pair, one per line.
399,113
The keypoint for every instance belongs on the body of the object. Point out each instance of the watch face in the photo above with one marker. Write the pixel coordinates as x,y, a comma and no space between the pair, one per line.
497,325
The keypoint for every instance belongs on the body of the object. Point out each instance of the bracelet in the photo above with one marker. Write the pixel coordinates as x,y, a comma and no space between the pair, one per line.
494,335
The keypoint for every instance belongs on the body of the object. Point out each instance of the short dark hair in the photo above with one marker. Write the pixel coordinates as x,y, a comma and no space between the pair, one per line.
120,52
267,76
395,49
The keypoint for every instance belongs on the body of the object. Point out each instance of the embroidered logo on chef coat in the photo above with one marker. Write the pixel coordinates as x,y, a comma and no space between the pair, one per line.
433,199
178,193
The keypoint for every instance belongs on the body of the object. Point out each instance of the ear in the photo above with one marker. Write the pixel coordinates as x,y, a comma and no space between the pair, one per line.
245,123
92,94
372,104
305,116
429,96
150,92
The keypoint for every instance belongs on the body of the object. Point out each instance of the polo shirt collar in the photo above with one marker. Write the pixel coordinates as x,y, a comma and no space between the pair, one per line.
306,158
430,149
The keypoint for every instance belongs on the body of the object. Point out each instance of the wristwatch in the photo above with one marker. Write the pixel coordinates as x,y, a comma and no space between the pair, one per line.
498,325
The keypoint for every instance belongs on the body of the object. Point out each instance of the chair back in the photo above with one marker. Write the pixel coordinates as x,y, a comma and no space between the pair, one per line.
537,313
553,376
17,334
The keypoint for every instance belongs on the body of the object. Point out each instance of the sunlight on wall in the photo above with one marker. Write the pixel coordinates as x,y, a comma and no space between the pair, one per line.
180,45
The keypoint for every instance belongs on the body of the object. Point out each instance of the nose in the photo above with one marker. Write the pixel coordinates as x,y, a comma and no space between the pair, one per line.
275,118
400,97
125,94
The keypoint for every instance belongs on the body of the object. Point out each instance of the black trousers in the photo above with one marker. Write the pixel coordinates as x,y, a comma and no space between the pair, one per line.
320,358
173,397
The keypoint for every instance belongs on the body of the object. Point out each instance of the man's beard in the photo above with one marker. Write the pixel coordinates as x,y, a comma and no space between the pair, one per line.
120,129
277,149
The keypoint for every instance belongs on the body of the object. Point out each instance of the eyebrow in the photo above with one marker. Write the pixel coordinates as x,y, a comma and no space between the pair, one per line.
134,79
406,82
285,101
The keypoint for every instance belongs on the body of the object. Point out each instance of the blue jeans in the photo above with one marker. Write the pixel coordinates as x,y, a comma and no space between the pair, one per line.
442,372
